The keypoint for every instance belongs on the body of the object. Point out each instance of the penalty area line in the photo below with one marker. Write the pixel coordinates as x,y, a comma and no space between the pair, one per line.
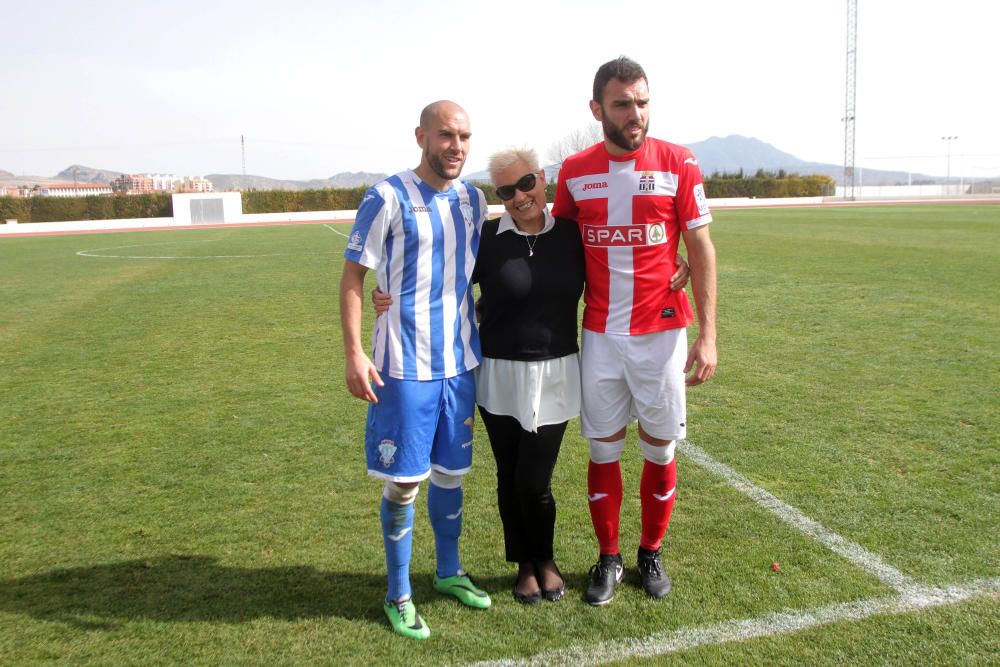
768,625
852,551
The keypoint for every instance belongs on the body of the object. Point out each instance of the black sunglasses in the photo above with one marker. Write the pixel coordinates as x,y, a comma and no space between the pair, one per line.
525,184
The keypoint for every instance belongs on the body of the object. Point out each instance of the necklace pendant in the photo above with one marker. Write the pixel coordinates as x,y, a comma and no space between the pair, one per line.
531,245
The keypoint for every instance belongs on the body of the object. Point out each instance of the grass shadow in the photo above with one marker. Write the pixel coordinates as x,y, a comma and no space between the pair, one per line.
184,588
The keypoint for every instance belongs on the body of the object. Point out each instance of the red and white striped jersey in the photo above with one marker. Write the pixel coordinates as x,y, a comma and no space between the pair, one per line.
631,211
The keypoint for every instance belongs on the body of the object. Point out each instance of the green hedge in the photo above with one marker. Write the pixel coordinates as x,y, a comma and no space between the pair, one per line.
113,207
158,205
767,185
282,201
15,208
291,201
761,184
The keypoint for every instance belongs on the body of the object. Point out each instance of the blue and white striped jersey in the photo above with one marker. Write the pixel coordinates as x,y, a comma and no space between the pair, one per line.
422,245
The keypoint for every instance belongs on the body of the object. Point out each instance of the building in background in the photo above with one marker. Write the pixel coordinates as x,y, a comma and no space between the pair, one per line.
132,184
73,190
15,190
164,182
139,184
196,184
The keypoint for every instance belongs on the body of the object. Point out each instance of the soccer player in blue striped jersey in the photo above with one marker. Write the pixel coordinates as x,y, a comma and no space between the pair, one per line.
419,232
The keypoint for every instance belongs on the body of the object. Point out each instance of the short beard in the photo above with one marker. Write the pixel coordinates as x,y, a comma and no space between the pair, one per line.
437,166
617,136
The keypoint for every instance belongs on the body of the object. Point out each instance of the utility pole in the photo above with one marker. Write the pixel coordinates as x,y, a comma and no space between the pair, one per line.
852,40
243,153
947,180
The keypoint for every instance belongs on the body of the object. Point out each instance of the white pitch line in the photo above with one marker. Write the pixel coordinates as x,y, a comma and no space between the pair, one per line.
95,252
768,625
852,551
273,254
336,231
911,596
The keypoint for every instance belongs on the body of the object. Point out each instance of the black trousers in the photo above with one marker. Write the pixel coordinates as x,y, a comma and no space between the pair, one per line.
525,462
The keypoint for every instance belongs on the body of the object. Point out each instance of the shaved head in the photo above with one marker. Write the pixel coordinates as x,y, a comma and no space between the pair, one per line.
438,109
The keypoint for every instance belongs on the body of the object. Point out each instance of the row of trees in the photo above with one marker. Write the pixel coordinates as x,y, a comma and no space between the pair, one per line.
114,207
724,185
158,205
294,201
768,185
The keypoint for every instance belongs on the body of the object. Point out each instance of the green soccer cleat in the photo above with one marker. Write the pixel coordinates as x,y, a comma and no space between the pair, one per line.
461,587
405,620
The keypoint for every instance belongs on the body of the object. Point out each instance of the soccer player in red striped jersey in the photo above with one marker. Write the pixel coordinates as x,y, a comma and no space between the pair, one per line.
635,199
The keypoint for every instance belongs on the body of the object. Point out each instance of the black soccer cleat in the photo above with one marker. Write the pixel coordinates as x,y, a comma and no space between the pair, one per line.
655,580
604,578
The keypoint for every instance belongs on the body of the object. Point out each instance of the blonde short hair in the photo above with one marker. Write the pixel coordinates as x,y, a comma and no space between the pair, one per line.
508,156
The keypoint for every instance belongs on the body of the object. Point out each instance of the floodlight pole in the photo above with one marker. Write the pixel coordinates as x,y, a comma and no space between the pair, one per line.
947,180
848,119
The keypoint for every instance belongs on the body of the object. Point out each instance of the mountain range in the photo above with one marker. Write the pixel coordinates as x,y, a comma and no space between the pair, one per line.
79,173
347,179
715,155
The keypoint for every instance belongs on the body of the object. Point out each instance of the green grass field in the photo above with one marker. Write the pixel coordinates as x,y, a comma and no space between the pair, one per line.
182,479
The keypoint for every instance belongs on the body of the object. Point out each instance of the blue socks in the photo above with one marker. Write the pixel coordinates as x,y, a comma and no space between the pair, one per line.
445,509
397,533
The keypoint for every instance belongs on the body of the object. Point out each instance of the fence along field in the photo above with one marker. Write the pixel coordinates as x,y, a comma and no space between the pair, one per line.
182,481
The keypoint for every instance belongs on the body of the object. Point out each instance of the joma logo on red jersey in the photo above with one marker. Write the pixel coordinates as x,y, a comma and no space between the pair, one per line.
594,186
630,235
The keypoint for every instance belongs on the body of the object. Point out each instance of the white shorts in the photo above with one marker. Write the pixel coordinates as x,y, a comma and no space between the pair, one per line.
626,378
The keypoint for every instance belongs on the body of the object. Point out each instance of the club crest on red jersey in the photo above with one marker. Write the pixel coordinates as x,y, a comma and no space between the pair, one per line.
647,182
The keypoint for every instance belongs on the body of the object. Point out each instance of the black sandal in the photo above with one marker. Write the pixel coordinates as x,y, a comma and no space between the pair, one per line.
527,598
554,594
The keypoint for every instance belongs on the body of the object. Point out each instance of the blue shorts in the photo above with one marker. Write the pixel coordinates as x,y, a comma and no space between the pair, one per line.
421,424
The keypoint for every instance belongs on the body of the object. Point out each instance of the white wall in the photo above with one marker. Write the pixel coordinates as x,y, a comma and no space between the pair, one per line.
905,191
84,226
232,205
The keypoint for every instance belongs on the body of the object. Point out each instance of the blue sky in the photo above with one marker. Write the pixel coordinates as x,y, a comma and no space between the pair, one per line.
323,87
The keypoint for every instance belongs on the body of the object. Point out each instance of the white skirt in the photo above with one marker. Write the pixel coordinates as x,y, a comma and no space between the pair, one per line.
536,393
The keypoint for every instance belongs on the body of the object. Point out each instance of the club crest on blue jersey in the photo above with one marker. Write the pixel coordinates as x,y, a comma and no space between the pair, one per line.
354,243
387,452
466,209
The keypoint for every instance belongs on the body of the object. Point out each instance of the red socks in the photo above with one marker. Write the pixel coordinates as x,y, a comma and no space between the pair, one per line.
656,491
604,491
